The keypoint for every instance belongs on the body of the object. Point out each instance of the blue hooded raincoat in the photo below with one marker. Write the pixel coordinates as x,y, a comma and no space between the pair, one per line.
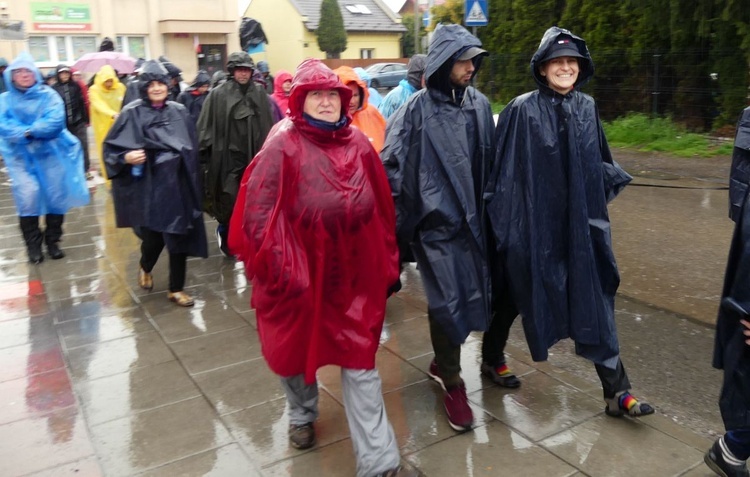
47,167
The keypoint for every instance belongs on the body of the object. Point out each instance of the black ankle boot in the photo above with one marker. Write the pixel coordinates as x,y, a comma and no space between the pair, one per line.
52,235
33,238
54,251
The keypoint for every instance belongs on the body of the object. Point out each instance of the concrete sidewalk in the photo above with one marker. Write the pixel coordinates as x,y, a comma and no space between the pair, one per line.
99,377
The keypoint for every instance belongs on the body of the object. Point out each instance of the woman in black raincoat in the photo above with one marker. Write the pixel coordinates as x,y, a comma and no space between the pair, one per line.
151,155
553,178
732,347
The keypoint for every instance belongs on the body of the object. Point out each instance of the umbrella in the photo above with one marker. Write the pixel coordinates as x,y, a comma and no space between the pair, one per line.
91,62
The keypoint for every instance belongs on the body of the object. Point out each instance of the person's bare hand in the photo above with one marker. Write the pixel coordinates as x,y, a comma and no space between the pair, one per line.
746,331
135,157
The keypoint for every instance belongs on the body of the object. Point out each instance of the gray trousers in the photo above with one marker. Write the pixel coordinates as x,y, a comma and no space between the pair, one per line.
373,438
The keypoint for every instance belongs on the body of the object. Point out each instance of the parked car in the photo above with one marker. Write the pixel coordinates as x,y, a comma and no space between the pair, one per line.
386,75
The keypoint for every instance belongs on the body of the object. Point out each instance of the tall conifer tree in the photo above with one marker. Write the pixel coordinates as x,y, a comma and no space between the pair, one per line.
331,32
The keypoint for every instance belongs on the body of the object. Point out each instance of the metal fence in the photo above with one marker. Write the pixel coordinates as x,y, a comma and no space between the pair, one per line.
679,85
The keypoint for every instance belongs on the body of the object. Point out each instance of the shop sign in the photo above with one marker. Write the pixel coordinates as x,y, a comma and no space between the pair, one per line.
61,16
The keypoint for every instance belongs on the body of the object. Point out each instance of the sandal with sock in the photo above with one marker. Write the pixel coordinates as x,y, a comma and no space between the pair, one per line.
501,375
625,403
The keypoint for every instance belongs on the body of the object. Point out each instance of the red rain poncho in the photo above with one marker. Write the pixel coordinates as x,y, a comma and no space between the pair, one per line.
281,98
314,224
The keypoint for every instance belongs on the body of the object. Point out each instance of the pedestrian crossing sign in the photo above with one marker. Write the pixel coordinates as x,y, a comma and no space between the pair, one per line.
476,13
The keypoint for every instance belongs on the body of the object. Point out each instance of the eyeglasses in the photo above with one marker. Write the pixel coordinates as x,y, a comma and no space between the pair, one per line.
22,71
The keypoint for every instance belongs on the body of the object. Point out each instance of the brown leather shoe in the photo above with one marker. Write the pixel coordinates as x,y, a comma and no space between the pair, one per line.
181,298
302,436
145,280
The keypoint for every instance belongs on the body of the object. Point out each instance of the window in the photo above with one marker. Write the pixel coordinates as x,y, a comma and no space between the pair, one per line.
82,45
62,55
39,48
133,46
358,9
366,53
60,49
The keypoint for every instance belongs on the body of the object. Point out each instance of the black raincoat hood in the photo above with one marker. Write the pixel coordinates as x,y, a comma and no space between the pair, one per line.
151,70
239,58
415,70
585,64
448,42
202,78
172,69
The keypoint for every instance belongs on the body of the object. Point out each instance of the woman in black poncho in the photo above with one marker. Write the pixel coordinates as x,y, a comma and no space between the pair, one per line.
151,157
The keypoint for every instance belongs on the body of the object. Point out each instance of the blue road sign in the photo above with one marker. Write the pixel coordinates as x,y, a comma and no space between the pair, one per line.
426,18
476,13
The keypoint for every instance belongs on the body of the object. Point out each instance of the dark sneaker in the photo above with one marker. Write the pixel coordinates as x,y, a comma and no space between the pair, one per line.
457,407
715,460
501,375
223,247
400,472
302,436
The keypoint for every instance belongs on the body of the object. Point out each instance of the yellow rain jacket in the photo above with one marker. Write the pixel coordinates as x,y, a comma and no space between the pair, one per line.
105,103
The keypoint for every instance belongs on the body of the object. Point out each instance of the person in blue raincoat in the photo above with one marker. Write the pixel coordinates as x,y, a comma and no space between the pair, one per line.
151,155
729,453
44,160
413,82
375,98
553,177
438,155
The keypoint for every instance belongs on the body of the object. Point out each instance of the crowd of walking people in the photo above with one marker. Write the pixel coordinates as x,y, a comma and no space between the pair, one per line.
324,195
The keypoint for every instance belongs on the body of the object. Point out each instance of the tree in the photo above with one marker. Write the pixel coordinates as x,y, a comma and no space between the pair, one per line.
331,32
407,40
451,11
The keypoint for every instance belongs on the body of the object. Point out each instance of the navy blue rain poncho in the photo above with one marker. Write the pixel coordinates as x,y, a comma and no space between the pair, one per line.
167,196
438,154
47,168
730,352
554,178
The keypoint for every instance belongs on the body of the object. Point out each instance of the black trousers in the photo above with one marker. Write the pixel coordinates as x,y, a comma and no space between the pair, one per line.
447,355
495,339
151,246
81,132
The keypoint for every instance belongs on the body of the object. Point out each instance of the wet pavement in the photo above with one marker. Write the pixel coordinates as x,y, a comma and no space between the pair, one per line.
99,377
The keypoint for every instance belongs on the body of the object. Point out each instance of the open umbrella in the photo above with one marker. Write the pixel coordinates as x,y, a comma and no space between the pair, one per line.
91,62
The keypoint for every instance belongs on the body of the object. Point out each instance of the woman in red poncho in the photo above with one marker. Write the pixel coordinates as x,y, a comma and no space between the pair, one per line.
314,223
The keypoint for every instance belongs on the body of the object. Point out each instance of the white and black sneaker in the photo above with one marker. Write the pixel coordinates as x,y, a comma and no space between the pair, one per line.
720,460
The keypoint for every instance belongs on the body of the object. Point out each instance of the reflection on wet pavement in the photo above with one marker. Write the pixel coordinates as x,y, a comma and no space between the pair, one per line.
99,377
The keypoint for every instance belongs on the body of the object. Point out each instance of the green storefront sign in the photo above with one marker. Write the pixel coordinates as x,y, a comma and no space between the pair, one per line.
60,12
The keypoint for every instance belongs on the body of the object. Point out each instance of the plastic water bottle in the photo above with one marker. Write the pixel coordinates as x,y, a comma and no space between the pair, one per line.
137,170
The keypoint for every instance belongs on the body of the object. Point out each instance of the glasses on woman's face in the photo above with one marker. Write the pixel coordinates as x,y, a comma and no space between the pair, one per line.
22,71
